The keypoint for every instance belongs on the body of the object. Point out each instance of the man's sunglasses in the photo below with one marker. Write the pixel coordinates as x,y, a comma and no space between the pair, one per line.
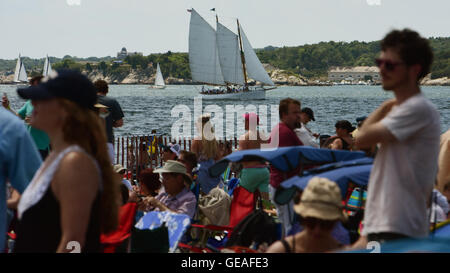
388,65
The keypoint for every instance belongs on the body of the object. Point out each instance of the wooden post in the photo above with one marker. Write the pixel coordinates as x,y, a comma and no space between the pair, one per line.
123,153
136,157
128,160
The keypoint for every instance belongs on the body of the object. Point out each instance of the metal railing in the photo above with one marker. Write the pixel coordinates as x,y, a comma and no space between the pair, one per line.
136,153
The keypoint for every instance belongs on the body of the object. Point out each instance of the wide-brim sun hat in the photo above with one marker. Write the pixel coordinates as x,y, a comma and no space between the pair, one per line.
321,199
172,166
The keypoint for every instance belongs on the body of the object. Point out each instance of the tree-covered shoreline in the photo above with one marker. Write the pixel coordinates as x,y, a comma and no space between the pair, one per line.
310,61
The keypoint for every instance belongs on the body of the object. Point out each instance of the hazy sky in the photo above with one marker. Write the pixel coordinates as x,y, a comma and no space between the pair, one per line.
100,28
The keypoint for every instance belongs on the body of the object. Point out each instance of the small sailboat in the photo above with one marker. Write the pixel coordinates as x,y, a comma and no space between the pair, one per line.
47,67
159,80
20,75
225,60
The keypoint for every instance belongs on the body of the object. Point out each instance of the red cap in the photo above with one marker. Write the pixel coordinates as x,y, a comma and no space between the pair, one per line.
252,115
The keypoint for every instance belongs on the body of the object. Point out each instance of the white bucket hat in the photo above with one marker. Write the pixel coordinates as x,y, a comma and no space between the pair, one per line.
321,199
172,166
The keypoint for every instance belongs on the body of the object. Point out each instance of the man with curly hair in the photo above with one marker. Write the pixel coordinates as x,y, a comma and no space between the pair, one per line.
408,129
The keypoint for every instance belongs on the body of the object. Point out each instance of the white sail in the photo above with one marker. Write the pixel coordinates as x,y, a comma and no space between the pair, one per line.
254,67
23,74
229,55
203,54
159,77
47,67
20,75
17,71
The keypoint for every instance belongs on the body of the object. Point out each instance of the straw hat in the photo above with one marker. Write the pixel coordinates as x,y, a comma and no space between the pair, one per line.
118,168
321,199
172,166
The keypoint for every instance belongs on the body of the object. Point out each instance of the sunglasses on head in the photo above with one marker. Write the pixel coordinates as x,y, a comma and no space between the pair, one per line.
388,65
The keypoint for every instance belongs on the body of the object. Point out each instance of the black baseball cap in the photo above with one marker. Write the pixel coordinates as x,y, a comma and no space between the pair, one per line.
68,84
309,112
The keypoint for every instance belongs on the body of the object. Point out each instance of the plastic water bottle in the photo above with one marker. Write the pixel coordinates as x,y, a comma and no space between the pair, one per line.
10,245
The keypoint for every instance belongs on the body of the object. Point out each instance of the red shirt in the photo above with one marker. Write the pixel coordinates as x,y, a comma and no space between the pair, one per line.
286,137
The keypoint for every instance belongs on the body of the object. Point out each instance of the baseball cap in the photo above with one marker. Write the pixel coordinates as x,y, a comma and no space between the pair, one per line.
119,168
173,147
68,84
360,120
309,112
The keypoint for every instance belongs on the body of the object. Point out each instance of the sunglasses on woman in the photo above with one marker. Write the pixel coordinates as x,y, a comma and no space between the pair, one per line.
388,65
312,222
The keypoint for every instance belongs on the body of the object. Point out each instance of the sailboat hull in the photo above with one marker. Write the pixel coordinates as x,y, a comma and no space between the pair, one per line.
157,86
253,94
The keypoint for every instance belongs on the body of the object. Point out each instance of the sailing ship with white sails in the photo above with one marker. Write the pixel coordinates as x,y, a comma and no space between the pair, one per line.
221,58
159,80
47,67
20,74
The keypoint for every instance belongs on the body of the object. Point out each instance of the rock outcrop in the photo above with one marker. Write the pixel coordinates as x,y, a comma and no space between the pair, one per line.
445,81
147,76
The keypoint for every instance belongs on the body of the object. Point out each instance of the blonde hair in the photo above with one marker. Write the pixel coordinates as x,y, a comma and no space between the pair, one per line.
209,142
85,128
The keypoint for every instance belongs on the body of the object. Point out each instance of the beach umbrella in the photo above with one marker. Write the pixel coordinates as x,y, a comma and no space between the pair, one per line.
286,158
356,171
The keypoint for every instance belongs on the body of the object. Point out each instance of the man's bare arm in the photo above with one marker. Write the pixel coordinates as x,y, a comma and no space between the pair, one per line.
373,131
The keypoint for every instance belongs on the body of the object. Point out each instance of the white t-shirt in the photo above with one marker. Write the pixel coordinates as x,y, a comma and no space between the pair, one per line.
306,136
404,171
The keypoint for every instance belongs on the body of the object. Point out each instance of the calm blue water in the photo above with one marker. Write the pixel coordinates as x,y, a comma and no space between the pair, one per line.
146,109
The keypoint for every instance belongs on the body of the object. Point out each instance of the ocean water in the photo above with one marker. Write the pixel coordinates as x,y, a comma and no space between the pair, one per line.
146,109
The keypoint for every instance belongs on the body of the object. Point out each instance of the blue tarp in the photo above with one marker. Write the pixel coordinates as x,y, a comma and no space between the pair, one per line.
177,224
441,245
442,231
286,158
356,171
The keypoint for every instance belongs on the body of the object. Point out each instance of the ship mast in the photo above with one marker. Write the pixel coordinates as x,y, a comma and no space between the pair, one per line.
242,55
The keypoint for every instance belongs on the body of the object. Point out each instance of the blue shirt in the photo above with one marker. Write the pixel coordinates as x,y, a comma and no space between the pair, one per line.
19,160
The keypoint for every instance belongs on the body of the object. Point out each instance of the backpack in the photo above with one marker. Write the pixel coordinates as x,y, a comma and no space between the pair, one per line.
257,227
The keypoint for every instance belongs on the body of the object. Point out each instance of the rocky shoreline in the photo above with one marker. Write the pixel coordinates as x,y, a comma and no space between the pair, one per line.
278,76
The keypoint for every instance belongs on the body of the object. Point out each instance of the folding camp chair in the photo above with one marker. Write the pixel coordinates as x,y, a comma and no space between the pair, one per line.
242,206
117,240
352,178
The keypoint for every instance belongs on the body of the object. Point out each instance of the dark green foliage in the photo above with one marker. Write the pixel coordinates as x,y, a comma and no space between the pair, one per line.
311,61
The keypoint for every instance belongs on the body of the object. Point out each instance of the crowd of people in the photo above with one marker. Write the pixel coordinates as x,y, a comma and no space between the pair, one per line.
61,185
226,90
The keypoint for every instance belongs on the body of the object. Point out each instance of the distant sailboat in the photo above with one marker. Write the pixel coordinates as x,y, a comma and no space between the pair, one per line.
159,80
222,58
20,75
47,67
